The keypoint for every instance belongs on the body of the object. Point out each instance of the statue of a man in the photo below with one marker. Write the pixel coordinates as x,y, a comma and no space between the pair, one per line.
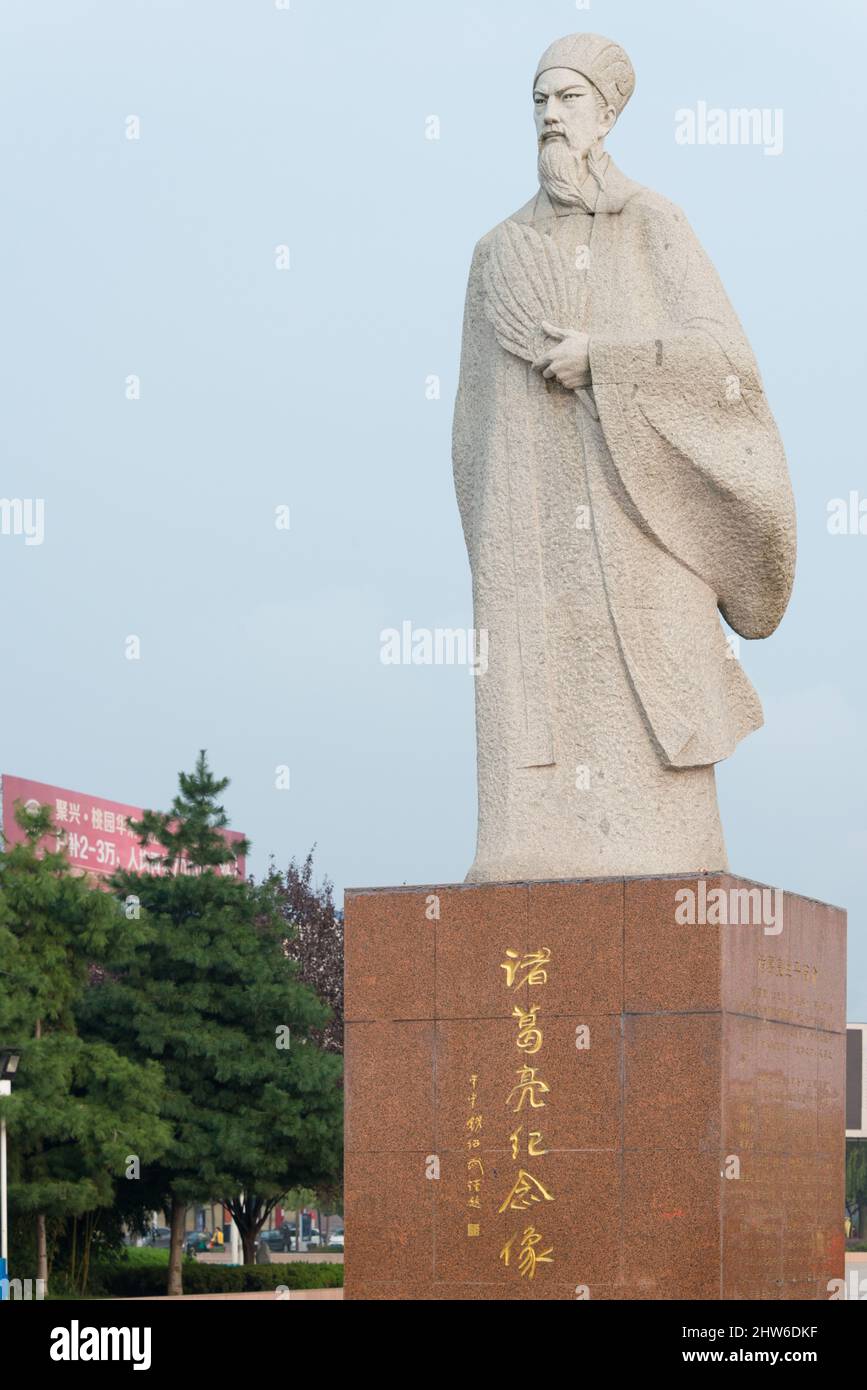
620,480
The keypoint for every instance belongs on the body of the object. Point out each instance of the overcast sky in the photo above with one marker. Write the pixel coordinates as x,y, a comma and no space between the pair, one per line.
262,387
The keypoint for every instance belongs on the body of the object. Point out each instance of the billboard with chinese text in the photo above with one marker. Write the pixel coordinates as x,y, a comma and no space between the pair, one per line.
94,831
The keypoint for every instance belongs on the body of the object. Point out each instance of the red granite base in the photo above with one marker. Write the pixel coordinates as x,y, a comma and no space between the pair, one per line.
639,1106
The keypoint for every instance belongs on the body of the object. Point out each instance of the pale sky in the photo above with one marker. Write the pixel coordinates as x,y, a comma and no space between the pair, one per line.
262,387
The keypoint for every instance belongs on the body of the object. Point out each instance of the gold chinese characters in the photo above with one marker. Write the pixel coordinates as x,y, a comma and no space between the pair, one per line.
523,1248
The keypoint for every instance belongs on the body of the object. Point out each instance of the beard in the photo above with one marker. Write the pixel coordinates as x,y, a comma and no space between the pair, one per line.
560,173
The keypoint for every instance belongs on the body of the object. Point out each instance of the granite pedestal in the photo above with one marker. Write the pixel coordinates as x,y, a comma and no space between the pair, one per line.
604,1089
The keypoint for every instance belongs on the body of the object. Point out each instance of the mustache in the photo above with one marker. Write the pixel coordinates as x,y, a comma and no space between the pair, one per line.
551,135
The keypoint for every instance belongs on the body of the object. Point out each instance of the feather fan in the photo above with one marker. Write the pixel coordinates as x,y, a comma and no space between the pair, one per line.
528,281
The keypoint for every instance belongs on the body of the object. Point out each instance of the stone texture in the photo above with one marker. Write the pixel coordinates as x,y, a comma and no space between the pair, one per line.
376,1115
469,924
706,1045
671,1082
585,930
399,982
621,482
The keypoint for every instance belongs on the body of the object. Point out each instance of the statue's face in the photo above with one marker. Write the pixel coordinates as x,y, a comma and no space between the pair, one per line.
568,107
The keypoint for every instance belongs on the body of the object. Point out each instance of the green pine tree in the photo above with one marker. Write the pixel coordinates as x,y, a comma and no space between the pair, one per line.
80,1113
209,992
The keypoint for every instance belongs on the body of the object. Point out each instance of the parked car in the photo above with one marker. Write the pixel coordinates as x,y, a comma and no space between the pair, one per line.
336,1240
275,1240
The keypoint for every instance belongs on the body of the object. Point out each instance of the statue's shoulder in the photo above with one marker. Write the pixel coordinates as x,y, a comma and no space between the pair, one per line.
524,214
653,212
655,217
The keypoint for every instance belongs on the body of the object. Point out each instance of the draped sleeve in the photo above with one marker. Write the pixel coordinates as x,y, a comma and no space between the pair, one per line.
685,417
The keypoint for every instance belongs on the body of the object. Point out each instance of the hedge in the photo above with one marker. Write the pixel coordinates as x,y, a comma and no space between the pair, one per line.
140,1281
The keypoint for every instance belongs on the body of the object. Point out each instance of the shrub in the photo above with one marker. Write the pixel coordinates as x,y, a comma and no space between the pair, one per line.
139,1278
294,1275
144,1256
135,1278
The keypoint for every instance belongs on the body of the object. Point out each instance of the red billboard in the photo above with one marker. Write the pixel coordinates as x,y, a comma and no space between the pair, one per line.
95,832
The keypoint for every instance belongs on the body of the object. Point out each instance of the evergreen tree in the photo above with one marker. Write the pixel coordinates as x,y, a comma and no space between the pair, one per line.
208,991
80,1114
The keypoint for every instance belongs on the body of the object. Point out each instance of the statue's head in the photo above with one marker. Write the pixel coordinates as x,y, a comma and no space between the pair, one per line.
581,85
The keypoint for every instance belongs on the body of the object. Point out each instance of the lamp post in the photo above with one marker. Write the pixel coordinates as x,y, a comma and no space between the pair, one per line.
8,1067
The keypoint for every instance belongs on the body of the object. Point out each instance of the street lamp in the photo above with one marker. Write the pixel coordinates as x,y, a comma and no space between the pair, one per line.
8,1065
9,1060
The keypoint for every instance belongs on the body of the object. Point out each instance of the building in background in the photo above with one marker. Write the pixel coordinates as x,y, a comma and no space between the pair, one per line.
856,1130
856,1081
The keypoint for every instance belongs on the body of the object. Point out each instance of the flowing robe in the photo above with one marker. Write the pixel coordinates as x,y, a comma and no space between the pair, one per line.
605,530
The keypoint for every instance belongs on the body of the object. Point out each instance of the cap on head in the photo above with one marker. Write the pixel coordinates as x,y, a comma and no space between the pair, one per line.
600,60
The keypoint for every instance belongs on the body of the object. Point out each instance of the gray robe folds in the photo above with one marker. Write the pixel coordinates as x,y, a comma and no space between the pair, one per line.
605,530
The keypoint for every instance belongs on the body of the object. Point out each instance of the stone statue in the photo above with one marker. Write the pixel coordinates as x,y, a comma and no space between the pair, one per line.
620,479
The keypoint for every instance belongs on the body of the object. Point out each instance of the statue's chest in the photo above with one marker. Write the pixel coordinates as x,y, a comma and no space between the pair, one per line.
572,236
